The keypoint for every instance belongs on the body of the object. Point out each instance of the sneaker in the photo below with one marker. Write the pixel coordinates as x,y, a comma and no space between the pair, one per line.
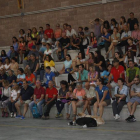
18,116
117,117
3,114
60,115
15,115
6,114
133,119
22,118
74,123
11,114
85,126
130,117
43,117
57,115
70,123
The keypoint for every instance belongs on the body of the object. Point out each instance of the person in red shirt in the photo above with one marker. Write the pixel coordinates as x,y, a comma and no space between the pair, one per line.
51,96
49,31
39,93
116,72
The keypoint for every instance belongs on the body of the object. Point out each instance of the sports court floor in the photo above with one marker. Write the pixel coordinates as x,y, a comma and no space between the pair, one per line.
36,129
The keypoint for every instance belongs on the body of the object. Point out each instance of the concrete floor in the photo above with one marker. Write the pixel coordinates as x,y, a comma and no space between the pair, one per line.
36,129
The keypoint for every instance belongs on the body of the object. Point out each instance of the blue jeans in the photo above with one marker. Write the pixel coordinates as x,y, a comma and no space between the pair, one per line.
39,105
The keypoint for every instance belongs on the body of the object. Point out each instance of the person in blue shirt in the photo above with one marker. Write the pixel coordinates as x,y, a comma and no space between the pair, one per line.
105,74
103,97
50,76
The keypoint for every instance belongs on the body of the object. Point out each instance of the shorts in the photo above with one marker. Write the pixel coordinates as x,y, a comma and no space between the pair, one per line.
42,49
93,101
135,99
80,103
108,101
24,102
113,84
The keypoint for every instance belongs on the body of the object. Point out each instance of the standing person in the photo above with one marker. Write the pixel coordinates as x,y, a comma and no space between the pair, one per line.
61,98
97,28
48,31
6,91
50,98
24,99
103,98
131,21
13,99
135,100
38,97
106,39
99,62
68,104
121,92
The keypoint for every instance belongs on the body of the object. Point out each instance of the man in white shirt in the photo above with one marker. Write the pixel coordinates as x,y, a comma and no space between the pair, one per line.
90,97
124,37
70,32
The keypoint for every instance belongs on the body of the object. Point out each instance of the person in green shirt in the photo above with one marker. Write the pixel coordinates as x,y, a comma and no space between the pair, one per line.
131,73
82,74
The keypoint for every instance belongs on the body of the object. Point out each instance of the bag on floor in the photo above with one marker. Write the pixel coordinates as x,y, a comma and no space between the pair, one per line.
90,122
35,112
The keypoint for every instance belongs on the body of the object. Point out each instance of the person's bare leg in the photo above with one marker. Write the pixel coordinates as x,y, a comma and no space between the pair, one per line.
101,108
95,109
129,105
110,48
18,108
85,106
74,108
113,51
25,109
89,109
134,108
65,53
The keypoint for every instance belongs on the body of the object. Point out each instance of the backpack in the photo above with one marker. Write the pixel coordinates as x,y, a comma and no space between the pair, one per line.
35,112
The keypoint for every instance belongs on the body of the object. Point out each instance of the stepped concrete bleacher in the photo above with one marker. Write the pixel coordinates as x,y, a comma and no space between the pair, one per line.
108,114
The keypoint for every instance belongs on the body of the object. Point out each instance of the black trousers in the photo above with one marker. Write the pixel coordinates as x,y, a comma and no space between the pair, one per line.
106,46
60,106
47,108
120,45
117,107
11,106
70,78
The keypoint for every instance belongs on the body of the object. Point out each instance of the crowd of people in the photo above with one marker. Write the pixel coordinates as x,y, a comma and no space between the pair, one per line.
92,79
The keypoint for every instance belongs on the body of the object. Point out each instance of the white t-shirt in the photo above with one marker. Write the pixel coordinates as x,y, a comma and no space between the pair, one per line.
48,52
69,34
6,92
126,34
14,94
7,66
1,67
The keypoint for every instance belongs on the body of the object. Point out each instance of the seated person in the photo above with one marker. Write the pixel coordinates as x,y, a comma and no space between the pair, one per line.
6,92
3,76
82,74
131,73
75,42
30,43
11,78
61,98
131,46
50,76
3,56
33,65
93,40
90,61
44,41
14,66
48,51
67,66
49,62
25,98
30,78
14,96
1,65
7,64
90,97
13,53
78,100
50,98
20,77
135,100
92,76
121,92
38,97
105,74
103,98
